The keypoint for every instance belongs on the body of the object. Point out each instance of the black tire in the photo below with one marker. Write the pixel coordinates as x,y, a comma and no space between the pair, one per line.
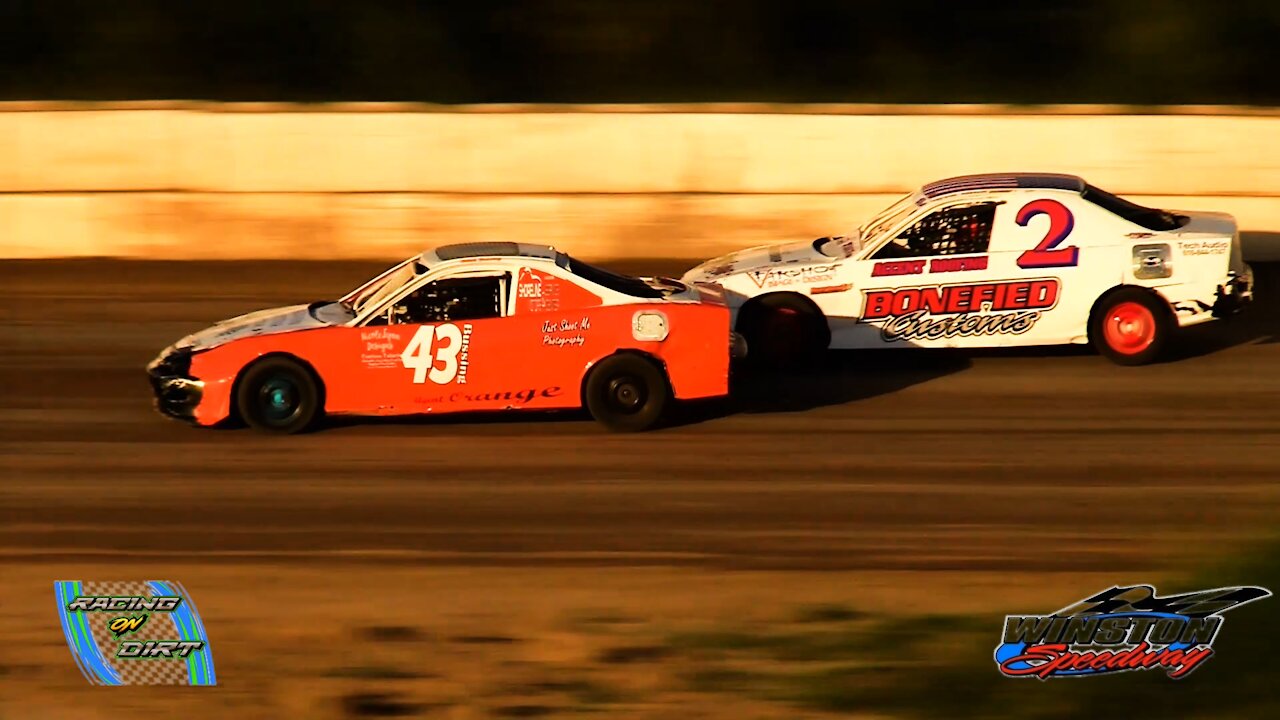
279,395
627,393
783,331
1131,326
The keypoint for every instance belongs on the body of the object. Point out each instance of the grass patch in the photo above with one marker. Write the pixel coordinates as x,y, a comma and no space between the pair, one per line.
484,639
828,613
841,689
723,640
523,711
721,679
890,637
583,691
633,654
391,633
379,705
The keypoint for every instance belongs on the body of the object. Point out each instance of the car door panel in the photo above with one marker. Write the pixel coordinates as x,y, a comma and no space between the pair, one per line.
912,290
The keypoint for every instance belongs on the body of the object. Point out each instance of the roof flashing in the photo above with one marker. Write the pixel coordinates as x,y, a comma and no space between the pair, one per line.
1003,181
462,251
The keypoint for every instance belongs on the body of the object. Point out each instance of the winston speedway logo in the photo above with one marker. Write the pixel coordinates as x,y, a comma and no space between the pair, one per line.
1120,629
134,633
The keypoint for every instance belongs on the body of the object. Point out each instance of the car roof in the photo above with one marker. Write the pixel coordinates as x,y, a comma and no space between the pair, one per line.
1003,181
460,251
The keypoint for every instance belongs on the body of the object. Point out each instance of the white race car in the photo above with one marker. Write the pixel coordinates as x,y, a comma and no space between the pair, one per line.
991,260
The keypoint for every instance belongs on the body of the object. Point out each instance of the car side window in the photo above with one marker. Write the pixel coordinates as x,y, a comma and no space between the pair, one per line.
449,300
958,230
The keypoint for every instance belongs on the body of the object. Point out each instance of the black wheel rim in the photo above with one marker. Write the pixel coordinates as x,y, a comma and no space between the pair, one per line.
279,399
626,395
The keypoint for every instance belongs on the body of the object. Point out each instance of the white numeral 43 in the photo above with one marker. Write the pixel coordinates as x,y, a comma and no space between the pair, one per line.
422,353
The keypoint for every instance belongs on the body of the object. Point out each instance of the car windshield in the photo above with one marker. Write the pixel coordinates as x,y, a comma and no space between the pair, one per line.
375,291
891,216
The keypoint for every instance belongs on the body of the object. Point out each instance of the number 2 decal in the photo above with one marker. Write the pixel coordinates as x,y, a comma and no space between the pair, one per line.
422,353
1047,254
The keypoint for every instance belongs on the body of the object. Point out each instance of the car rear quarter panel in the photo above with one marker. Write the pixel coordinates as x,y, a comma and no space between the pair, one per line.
696,352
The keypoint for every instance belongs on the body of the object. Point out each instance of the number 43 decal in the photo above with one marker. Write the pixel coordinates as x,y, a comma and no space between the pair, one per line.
423,353
1047,254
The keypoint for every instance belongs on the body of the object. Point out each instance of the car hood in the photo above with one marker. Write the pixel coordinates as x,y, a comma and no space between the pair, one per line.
262,322
757,258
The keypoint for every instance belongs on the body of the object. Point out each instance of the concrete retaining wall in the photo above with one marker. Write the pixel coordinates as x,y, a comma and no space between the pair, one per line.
216,181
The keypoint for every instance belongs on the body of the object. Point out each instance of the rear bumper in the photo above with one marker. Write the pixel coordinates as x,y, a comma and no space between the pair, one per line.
1234,294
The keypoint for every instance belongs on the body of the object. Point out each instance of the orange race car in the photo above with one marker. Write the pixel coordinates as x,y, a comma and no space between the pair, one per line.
469,327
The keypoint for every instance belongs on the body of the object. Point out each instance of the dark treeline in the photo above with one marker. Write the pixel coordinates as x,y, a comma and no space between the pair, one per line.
1028,51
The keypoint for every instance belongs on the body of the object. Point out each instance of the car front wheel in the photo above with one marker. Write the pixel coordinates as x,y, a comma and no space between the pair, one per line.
783,332
279,395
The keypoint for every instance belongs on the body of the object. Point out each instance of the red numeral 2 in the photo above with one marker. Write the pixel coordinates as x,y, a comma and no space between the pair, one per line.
1061,222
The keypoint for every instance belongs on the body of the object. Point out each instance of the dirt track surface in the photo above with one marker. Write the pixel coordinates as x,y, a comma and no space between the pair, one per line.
1012,461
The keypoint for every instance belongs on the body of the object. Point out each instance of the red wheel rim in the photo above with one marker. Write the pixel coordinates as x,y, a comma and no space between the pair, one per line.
784,327
1129,328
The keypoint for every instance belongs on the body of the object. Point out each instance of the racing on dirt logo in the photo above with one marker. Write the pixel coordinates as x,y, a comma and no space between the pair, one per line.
947,311
134,633
1121,629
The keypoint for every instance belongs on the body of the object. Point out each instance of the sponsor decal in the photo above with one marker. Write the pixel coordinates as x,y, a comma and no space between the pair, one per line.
1120,629
134,633
538,292
936,265
720,270
565,332
781,277
897,267
378,347
438,353
960,264
830,289
511,396
1204,247
947,311
529,288
464,354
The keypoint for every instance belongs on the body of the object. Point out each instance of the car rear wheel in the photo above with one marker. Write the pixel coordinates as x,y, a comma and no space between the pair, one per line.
1131,327
279,395
627,393
783,331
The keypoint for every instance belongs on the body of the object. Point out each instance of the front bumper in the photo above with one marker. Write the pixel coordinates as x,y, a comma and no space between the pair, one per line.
177,394
1235,294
